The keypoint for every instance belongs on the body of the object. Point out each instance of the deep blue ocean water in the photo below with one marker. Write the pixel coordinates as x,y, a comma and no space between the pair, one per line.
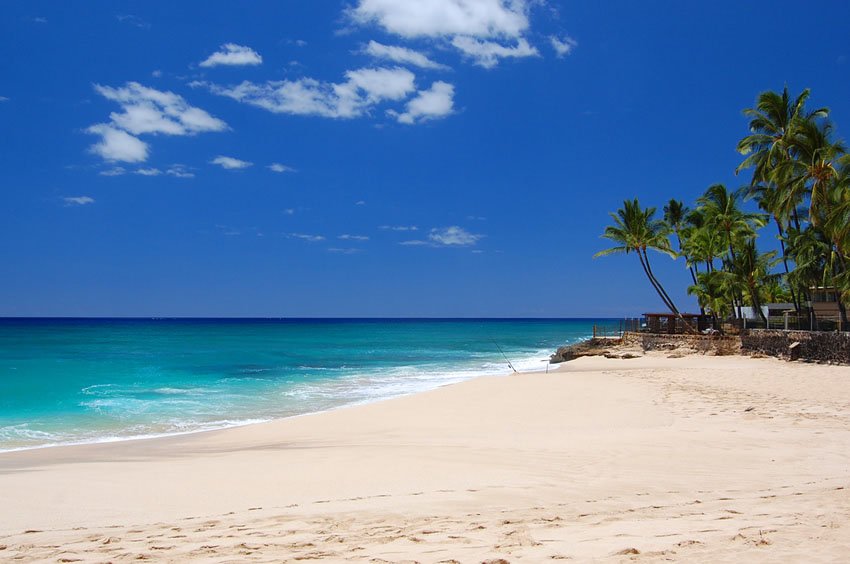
87,380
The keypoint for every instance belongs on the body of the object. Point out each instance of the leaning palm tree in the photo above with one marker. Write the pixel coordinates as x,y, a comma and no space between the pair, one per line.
635,230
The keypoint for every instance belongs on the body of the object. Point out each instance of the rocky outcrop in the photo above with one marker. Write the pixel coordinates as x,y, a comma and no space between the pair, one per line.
590,347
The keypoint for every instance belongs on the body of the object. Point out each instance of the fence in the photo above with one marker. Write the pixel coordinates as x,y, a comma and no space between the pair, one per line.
615,329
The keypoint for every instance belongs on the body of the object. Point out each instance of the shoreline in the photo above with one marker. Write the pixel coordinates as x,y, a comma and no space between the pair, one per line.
481,373
666,456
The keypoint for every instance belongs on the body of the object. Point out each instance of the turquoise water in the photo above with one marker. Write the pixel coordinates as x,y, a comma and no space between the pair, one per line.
73,381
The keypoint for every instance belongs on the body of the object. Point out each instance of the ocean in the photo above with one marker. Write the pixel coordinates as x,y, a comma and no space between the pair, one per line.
72,381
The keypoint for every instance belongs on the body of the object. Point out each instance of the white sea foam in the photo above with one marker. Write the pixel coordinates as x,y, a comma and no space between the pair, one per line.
295,396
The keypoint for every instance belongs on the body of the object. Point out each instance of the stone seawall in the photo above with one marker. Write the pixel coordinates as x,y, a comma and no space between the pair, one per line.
713,344
829,347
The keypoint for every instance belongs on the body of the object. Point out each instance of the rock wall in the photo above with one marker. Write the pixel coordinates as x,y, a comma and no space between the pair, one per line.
712,344
832,347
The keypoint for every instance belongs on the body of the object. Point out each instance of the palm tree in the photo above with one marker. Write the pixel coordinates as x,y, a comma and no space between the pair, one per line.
720,207
814,166
770,200
752,271
635,230
675,214
773,124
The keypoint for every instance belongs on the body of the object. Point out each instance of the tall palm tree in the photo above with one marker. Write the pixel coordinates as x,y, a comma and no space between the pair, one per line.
635,230
773,124
675,214
769,199
815,164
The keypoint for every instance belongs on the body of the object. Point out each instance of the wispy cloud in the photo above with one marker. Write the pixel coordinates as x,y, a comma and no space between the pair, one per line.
434,103
398,227
146,111
231,54
277,167
363,89
452,236
307,237
135,21
179,171
349,237
401,55
289,211
345,251
114,171
230,163
487,54
563,46
4,99
78,200
147,171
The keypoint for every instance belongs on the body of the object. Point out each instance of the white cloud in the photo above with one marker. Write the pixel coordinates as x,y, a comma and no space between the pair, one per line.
345,251
487,53
179,171
440,18
4,99
148,172
436,102
147,110
114,171
231,54
360,203
399,228
401,55
78,200
307,237
289,211
453,236
363,89
230,163
156,74
277,167
348,237
133,20
563,46
118,145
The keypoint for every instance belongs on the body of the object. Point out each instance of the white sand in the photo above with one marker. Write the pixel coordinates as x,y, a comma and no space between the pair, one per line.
699,458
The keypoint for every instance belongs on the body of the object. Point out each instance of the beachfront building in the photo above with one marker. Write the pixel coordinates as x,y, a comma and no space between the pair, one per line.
672,324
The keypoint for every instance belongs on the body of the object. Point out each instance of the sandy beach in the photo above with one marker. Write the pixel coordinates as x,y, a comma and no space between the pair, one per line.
700,458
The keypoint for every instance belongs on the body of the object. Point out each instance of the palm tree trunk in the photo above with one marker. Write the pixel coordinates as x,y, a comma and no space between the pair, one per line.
663,292
785,262
655,285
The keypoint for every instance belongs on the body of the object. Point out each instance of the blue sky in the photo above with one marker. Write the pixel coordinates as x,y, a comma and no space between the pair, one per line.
373,157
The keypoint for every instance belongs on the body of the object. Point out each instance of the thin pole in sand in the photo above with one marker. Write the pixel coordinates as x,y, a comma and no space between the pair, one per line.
506,357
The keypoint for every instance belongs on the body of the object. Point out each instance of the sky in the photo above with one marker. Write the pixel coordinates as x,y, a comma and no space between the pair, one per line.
374,158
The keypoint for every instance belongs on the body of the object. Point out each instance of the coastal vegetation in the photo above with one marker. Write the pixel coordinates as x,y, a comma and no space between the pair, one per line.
799,181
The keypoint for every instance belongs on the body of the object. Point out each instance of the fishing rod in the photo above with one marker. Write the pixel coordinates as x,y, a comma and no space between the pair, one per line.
505,356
